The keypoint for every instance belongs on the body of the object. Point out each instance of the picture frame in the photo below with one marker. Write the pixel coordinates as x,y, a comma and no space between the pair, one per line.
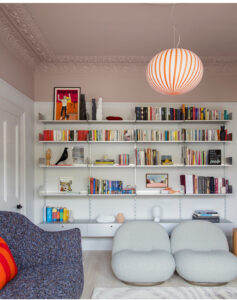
65,184
66,103
157,180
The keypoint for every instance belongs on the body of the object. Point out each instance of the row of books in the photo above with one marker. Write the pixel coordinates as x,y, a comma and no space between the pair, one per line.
123,159
137,135
100,186
196,157
147,156
111,135
55,214
157,135
150,113
206,135
64,135
207,215
194,184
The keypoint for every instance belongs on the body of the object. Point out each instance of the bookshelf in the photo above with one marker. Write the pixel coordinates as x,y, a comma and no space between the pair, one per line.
50,194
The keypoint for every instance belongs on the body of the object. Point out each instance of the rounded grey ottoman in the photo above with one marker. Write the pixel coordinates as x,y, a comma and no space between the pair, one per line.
141,253
202,254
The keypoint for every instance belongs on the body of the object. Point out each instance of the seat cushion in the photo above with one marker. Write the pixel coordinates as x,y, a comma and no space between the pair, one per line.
8,268
143,266
217,266
46,282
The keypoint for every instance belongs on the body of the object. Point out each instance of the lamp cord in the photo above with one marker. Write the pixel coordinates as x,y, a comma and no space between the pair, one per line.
174,26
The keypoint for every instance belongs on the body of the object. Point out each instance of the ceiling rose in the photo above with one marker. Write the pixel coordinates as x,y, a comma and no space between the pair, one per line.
174,71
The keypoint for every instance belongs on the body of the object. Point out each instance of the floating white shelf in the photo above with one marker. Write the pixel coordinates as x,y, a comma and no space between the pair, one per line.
135,166
131,121
71,194
133,142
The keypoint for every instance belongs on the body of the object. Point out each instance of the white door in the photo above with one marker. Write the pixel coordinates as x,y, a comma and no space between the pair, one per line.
10,165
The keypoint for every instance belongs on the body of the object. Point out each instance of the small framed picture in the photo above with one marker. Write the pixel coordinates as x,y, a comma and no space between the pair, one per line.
156,180
66,103
65,184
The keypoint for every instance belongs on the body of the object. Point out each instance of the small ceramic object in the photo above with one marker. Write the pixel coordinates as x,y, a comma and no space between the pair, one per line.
120,218
48,157
156,213
99,110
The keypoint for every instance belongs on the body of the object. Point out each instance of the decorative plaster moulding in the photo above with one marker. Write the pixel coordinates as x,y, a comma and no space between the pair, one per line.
22,35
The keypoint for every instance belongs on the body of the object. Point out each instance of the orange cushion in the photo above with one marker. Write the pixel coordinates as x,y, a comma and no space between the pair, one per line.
8,268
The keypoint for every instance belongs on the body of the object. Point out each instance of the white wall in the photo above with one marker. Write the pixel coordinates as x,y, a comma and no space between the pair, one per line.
170,206
20,111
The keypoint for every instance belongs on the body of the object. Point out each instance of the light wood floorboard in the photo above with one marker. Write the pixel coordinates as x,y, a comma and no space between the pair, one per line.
98,273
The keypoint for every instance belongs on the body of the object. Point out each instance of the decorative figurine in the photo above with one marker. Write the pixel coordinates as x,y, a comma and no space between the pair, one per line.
63,157
48,156
120,218
82,107
99,110
93,109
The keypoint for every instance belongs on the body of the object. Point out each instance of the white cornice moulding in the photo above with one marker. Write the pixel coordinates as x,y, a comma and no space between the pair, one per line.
21,33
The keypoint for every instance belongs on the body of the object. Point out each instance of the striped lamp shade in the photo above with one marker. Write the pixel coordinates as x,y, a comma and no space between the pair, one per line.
174,71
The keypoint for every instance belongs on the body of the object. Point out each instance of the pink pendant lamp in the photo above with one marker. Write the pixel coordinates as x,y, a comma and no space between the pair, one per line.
174,71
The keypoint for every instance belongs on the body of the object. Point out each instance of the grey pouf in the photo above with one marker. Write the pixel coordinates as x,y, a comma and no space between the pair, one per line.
141,253
202,254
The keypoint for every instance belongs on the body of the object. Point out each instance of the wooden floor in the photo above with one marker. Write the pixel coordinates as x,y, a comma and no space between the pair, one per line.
98,273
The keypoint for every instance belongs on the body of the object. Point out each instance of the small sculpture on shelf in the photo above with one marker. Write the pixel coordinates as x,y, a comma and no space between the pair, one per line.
48,156
82,108
63,157
93,109
120,218
99,110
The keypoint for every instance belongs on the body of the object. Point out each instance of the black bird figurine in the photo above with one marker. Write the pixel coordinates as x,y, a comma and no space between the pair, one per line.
63,157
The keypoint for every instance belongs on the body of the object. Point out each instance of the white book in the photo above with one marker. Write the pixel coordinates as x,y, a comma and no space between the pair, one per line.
189,183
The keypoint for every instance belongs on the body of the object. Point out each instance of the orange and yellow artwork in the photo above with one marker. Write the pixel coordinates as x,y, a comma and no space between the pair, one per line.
66,103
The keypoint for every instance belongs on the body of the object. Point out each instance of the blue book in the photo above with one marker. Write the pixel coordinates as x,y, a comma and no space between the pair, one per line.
49,212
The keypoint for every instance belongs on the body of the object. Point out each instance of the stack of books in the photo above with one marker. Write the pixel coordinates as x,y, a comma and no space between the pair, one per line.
104,162
207,215
147,156
194,184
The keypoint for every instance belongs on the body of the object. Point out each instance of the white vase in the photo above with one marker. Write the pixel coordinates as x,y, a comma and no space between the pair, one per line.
99,110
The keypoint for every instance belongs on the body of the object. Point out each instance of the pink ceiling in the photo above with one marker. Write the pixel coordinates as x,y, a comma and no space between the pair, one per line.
135,29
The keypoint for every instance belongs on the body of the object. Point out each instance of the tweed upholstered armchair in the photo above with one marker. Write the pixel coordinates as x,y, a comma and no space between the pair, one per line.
49,263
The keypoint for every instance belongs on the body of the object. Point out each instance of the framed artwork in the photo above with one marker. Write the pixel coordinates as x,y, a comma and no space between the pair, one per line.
66,103
65,184
156,180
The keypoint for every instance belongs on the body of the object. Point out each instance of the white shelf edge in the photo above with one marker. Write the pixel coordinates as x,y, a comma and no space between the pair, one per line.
136,166
164,221
58,194
129,121
137,142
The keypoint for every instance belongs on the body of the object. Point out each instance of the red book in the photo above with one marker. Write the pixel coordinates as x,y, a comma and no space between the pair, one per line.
91,185
41,137
216,185
182,182
226,135
150,113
